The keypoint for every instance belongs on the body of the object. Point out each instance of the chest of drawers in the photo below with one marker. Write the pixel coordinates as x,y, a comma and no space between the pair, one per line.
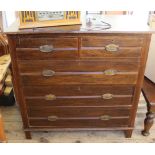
78,81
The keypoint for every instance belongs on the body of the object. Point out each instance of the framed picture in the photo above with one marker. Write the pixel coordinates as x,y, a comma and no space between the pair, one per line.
31,19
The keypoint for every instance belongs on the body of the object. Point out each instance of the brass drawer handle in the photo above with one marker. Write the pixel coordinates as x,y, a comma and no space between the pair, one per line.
110,72
52,118
48,73
107,96
105,117
112,48
50,97
46,48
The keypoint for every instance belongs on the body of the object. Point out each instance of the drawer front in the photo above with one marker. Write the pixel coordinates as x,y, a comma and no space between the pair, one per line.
100,52
79,123
84,101
102,41
77,112
111,46
36,54
56,42
79,65
29,79
78,117
78,90
79,95
47,48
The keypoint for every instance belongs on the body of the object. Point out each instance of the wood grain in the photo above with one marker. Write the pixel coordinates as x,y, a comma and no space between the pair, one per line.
36,54
78,90
79,65
123,52
101,41
71,112
92,78
72,68
81,102
122,122
57,42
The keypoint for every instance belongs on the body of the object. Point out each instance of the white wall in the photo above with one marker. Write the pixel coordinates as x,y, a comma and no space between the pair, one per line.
8,18
150,66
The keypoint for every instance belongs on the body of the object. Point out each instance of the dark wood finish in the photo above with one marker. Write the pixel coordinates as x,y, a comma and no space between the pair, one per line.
79,123
78,78
81,101
79,95
57,42
68,84
17,85
126,41
125,65
78,90
28,135
138,87
71,112
36,54
98,52
149,95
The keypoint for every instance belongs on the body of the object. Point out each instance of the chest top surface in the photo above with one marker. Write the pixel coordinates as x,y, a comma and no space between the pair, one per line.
91,24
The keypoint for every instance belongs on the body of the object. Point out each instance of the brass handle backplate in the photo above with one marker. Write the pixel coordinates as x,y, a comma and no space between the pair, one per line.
46,48
110,72
105,117
48,73
112,48
52,118
50,97
107,96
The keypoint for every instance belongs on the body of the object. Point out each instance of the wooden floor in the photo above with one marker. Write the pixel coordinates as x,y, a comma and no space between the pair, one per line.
15,134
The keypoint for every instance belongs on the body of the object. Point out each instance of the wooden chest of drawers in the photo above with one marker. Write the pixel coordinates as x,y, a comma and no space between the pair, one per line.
78,81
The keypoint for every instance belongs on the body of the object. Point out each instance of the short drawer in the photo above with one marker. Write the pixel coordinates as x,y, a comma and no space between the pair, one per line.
77,112
111,46
79,123
121,41
101,52
56,42
47,48
78,65
36,54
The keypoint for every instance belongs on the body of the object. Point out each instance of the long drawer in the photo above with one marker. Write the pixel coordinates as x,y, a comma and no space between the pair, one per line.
78,90
78,117
32,79
77,112
86,101
79,123
78,65
79,95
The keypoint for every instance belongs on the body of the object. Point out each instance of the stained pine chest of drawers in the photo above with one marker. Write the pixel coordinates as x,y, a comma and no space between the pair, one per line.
78,81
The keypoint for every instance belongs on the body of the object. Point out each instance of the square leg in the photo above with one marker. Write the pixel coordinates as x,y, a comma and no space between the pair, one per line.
28,135
128,133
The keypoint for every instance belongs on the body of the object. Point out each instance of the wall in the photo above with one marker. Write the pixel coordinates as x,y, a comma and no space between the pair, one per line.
150,66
